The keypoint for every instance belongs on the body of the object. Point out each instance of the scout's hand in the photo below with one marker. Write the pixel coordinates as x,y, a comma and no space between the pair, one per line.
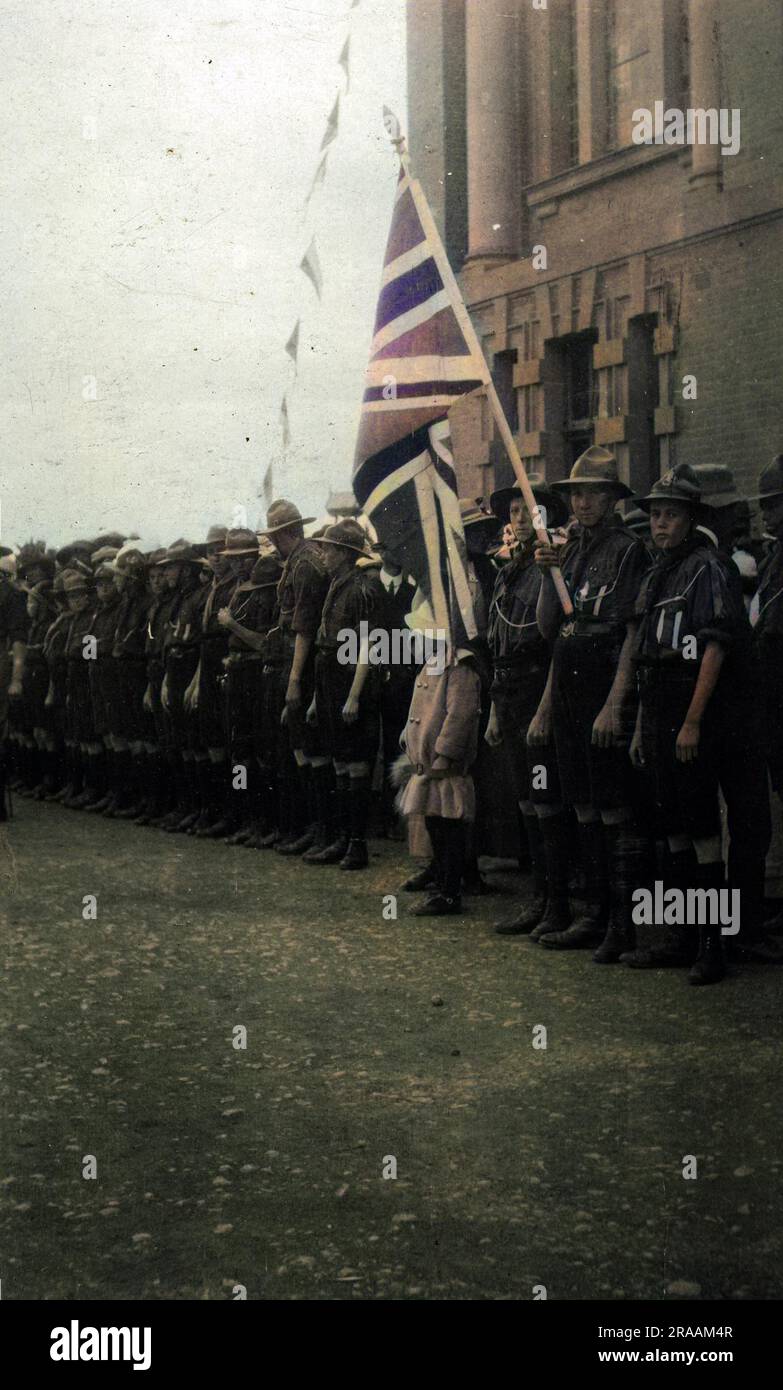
164,693
351,710
539,729
687,746
492,734
545,555
636,752
15,690
441,767
147,701
190,700
293,694
606,728
224,617
312,713
49,701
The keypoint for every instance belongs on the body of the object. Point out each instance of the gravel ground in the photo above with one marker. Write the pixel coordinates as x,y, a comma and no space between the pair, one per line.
368,1040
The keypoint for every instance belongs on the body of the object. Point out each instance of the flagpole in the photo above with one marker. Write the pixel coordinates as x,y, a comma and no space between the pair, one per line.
471,337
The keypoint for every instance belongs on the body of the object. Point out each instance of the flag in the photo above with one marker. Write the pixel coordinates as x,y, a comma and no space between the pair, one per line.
284,423
345,61
292,346
420,365
332,124
311,266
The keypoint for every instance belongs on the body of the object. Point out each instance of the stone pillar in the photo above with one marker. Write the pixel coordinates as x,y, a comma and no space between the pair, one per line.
704,87
592,73
493,82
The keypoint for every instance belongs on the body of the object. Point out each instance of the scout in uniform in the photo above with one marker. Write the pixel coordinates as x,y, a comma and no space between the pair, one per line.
13,638
35,570
689,621
301,594
184,571
233,565
54,652
158,800
80,733
346,702
766,617
520,660
248,619
100,670
397,679
130,722
588,699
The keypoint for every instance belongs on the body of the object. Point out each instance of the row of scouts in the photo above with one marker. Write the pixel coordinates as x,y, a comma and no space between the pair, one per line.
199,689
219,701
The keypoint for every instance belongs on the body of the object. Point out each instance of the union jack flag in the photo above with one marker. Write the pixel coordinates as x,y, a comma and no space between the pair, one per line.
420,365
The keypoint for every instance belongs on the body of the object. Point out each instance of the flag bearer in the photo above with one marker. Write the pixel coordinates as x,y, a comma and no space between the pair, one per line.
520,659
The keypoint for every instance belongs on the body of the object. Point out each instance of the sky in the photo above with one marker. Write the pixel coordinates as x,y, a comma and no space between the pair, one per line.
154,174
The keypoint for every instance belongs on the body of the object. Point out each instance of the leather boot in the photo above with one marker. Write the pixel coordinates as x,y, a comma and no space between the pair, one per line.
532,910
356,856
677,947
303,824
337,827
709,966
421,880
557,843
588,928
322,781
629,870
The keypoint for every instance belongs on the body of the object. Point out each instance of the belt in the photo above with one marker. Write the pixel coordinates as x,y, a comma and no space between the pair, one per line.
586,627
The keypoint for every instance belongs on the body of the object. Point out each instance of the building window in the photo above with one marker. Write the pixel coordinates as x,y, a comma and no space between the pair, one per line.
631,80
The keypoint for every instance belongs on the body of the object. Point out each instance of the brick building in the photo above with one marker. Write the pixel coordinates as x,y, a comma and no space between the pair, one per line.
600,272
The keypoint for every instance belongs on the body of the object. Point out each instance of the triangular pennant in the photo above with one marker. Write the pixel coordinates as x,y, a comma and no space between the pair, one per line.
312,267
332,124
318,176
292,346
345,61
268,486
284,423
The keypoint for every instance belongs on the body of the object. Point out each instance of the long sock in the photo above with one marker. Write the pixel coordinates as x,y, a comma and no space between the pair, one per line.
359,801
535,842
453,836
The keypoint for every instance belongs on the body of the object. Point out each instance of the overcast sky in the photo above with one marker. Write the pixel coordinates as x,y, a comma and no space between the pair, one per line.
153,174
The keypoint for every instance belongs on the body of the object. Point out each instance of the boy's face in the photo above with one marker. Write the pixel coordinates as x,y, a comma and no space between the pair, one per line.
670,523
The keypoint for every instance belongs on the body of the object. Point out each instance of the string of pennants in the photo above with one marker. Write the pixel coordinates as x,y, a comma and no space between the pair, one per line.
310,264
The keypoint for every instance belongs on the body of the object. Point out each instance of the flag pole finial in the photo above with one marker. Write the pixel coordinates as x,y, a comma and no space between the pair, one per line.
394,130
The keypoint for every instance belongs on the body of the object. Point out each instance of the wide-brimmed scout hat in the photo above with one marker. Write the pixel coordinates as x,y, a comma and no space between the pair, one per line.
240,542
67,552
596,467
556,509
349,534
75,581
637,521
771,480
216,535
155,556
180,552
282,514
717,485
680,484
475,513
104,555
105,571
266,572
